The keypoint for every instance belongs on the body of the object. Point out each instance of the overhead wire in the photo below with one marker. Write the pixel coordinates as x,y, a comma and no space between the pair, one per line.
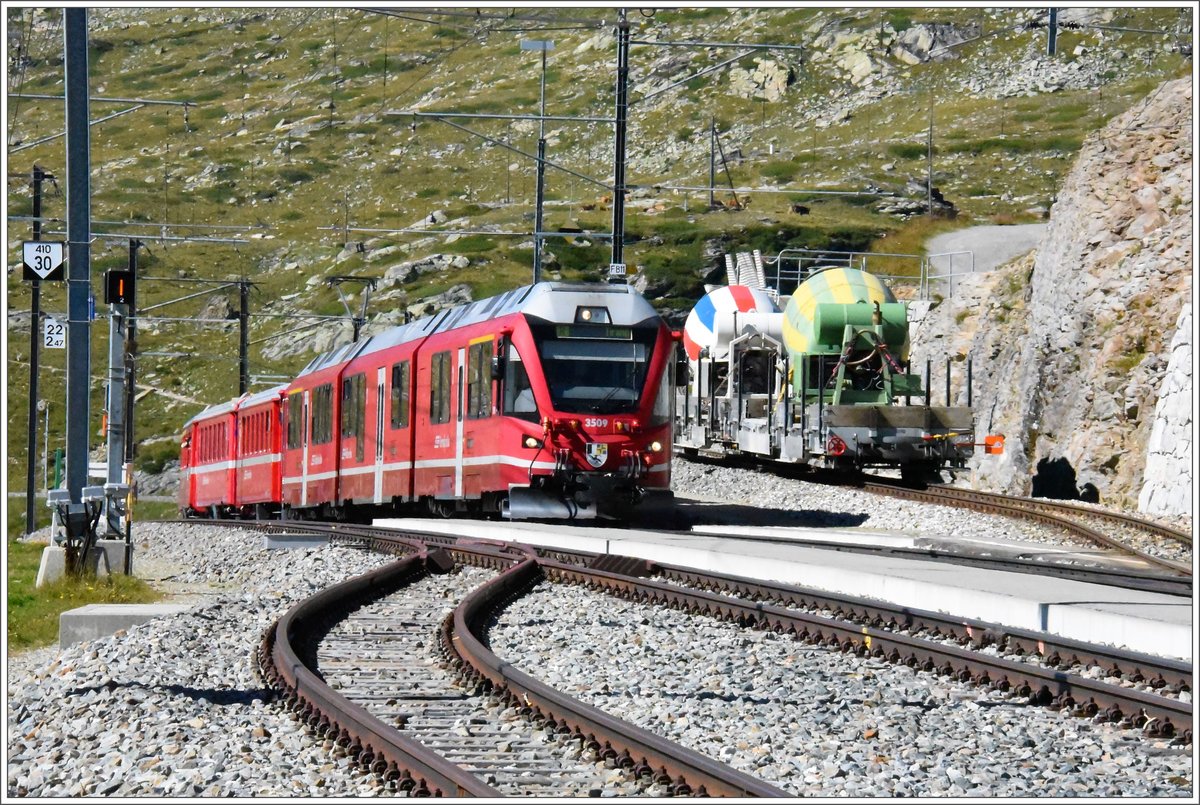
22,71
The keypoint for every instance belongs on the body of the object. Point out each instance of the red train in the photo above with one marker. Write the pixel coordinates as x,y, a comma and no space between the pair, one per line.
550,401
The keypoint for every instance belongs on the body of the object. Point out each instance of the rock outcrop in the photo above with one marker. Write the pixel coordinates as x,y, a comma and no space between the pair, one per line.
1167,488
1079,352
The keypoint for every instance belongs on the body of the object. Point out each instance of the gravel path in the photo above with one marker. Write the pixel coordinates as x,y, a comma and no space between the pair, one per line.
993,246
173,707
816,721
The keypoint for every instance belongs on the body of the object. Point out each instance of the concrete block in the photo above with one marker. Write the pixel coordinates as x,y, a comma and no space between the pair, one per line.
114,550
94,621
53,565
288,542
97,563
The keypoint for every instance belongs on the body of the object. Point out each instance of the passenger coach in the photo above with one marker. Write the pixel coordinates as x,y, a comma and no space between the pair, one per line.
549,401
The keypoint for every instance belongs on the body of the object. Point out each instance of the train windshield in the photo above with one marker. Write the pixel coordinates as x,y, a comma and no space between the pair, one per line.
594,375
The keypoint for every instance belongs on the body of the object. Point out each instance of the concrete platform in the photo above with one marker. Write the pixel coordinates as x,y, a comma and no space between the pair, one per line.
101,620
1149,622
964,545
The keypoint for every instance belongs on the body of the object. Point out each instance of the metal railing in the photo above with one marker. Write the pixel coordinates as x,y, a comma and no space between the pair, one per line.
794,266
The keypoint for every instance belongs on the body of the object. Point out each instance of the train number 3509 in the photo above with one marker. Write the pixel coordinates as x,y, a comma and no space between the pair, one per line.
595,422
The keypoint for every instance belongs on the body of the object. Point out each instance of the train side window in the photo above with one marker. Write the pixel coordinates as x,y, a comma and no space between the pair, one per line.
322,414
518,394
354,410
439,389
479,382
400,395
660,414
295,421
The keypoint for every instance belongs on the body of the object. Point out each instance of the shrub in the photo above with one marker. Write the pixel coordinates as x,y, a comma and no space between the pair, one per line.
153,457
908,150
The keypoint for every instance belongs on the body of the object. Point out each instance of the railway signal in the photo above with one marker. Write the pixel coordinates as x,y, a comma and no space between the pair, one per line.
118,287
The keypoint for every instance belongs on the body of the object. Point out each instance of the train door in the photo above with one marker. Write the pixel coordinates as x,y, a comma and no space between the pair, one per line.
458,424
380,382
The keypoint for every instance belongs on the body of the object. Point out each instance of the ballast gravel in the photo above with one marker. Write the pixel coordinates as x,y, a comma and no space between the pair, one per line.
792,502
816,721
173,707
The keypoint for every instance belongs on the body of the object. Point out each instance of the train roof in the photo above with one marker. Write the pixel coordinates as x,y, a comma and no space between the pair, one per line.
238,402
540,300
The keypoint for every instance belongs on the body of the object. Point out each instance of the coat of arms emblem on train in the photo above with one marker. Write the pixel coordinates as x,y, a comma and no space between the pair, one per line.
597,454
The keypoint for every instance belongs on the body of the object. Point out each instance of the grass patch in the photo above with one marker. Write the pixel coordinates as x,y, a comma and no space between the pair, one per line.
33,612
1062,142
990,145
780,171
909,150
471,244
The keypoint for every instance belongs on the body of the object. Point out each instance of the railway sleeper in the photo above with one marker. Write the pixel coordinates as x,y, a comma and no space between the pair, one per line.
1043,696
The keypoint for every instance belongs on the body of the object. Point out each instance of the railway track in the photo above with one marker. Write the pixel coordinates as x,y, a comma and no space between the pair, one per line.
427,734
1159,546
1137,691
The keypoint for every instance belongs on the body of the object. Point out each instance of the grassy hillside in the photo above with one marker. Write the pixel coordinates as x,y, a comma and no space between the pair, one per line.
290,135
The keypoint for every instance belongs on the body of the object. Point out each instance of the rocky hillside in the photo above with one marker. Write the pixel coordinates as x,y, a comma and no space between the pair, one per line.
1082,351
290,145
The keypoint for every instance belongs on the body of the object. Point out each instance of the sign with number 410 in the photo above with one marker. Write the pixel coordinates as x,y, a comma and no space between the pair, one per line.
43,260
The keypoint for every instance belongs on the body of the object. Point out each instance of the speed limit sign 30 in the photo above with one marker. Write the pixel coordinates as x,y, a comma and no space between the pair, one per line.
43,260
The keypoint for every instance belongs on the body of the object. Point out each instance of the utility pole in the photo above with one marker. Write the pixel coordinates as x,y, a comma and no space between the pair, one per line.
538,241
118,316
622,111
35,335
244,337
712,163
929,161
131,357
79,282
1052,33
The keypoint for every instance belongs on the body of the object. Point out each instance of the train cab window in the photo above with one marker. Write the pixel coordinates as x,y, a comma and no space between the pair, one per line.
479,380
518,395
400,395
322,414
439,389
595,370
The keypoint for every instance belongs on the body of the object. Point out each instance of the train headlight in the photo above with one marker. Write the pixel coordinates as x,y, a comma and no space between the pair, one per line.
656,446
592,315
531,442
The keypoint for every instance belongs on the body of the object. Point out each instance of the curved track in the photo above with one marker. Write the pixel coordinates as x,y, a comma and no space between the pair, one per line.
1043,668
421,761
1157,545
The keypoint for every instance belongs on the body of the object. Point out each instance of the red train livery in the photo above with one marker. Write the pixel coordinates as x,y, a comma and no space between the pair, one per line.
550,401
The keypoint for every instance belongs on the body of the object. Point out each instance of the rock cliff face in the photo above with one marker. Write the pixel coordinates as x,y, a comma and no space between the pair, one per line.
1082,352
1168,478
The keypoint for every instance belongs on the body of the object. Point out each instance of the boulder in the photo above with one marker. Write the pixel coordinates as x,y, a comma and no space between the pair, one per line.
409,271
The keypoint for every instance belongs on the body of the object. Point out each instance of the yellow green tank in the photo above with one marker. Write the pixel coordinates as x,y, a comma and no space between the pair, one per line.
847,312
